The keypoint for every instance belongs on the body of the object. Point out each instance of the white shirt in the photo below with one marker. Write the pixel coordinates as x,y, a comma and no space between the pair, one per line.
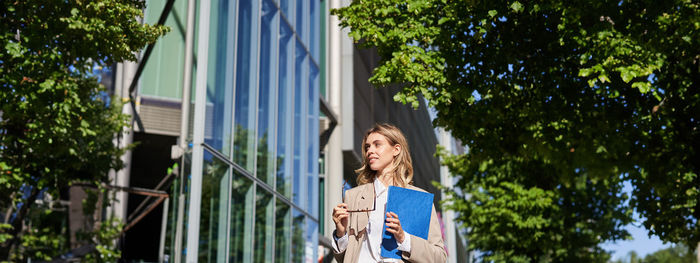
370,247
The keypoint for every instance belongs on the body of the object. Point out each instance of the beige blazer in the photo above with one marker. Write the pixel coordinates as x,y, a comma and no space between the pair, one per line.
422,251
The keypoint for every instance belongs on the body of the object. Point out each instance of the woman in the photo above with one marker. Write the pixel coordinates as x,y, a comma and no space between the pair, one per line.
360,218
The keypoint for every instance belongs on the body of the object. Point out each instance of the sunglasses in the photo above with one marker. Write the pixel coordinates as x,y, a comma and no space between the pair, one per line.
374,200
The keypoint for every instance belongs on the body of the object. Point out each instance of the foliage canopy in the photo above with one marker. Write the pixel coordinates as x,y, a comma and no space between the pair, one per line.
560,103
674,254
57,122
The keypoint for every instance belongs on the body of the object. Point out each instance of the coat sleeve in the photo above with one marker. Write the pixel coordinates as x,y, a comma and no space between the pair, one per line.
431,250
337,254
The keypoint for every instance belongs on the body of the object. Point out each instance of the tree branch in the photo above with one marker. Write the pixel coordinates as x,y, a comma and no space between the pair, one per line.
17,225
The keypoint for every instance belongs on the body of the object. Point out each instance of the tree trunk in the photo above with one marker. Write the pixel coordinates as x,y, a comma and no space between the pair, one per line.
697,252
17,225
8,213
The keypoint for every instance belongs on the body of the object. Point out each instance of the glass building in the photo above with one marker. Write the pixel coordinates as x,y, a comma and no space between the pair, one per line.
250,190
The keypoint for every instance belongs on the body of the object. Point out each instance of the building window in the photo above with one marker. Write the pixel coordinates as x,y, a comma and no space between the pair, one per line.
219,106
214,209
242,207
261,204
266,110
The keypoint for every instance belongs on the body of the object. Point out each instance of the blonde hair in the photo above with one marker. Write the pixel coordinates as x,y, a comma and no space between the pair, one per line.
401,166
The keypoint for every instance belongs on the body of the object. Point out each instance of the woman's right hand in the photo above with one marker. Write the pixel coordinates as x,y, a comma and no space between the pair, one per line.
340,218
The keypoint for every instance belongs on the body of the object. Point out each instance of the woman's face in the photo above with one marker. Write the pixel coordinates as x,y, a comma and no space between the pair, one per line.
380,153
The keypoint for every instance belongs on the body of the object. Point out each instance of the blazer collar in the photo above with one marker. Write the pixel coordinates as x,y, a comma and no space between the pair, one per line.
365,197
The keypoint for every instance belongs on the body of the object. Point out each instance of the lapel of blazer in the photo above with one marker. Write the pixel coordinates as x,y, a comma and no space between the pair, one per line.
364,200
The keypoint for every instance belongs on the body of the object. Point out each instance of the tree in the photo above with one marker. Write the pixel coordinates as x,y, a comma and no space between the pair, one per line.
674,254
560,103
57,122
631,257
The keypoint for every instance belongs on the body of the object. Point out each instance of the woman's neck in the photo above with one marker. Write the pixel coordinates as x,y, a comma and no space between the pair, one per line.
386,179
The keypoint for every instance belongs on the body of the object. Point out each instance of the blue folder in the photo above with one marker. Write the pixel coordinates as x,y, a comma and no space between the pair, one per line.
414,209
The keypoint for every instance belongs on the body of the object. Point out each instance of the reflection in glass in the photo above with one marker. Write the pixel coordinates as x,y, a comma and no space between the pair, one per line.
299,185
244,117
240,239
212,228
299,26
282,232
311,238
312,142
298,243
219,78
268,41
314,23
264,218
284,5
284,109
312,114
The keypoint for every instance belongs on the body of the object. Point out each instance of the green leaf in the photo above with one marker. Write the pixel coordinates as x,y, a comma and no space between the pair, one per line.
585,72
493,13
591,82
643,86
626,76
14,49
46,85
601,149
516,6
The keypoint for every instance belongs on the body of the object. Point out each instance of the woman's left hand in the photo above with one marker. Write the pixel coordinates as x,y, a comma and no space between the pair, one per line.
393,225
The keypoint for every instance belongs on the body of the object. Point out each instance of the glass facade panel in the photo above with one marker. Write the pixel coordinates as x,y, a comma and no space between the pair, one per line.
300,89
311,115
262,120
264,226
312,144
283,233
284,110
314,23
310,239
299,25
246,60
266,114
212,228
298,242
219,78
285,6
321,51
242,203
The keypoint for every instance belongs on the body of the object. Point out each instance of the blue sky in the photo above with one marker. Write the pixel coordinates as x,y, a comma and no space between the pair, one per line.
641,242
